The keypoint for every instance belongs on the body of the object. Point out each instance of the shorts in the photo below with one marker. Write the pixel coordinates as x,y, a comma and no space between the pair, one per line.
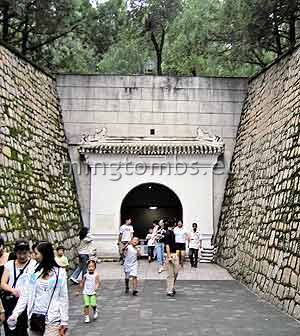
151,251
89,300
180,246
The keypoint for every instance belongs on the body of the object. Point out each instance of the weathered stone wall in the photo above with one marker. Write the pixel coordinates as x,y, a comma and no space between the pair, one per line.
37,199
259,228
132,105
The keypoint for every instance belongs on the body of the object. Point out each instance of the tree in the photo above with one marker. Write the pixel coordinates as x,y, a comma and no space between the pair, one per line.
29,25
153,18
257,31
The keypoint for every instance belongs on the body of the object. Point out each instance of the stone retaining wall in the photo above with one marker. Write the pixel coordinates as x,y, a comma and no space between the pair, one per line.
259,227
37,199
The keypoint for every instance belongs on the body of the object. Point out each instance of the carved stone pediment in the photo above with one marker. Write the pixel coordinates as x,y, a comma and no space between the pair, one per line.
98,136
205,137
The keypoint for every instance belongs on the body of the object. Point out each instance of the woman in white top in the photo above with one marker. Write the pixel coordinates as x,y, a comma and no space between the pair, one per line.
85,251
180,240
45,296
13,282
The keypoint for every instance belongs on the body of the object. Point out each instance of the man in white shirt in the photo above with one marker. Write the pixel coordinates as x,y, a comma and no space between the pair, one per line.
125,236
195,243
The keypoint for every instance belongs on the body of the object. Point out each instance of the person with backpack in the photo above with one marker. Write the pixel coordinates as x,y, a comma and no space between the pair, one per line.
45,297
13,284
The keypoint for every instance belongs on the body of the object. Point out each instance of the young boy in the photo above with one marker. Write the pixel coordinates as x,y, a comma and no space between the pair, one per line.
131,253
151,241
90,283
60,258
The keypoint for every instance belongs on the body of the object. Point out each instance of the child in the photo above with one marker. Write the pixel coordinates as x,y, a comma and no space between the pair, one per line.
90,283
151,244
60,258
131,253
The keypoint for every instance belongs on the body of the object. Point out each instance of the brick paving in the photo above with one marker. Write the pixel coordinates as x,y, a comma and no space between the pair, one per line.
201,307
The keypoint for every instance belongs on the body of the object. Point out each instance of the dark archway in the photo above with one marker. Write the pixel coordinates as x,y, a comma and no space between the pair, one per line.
147,202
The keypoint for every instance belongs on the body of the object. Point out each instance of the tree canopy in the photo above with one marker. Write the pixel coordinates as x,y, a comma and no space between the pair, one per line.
186,37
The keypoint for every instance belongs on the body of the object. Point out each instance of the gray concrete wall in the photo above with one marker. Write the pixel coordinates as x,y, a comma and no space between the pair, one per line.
132,105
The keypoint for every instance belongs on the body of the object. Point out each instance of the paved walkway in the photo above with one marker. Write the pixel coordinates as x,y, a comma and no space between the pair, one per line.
214,306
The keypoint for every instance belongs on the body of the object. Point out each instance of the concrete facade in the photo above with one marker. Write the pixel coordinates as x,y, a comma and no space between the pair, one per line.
130,106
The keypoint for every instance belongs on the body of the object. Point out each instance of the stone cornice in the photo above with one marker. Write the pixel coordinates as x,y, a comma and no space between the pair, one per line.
202,143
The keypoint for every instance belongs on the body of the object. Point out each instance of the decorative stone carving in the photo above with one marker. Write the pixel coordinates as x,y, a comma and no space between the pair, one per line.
207,137
99,136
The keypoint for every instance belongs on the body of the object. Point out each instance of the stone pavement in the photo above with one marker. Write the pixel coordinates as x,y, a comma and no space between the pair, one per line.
201,307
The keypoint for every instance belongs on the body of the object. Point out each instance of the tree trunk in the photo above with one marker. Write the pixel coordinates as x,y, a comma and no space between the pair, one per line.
276,33
292,30
5,20
158,50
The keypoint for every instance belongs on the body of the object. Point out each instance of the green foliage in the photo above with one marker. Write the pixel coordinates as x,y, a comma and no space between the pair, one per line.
213,37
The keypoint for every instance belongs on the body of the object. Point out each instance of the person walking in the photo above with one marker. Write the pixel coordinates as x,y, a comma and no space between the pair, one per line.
151,244
13,283
180,239
159,233
125,236
45,297
85,250
195,243
89,284
172,261
131,254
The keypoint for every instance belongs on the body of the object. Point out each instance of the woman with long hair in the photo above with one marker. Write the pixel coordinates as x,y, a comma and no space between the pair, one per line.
46,297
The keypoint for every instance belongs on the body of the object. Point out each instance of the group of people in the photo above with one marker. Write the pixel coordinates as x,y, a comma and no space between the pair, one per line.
34,290
167,240
34,286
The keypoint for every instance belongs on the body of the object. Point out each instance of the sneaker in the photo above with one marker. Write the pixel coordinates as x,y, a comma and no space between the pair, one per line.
170,294
161,269
74,281
95,316
134,292
174,291
87,319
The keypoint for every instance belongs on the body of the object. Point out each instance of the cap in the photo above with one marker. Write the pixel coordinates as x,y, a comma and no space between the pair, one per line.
21,244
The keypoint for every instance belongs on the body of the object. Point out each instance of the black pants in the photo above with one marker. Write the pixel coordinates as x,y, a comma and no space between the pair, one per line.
22,323
193,254
151,252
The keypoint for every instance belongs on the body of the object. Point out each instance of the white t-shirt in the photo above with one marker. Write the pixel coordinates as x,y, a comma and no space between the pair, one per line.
42,293
126,232
130,262
23,277
90,284
151,239
195,239
180,235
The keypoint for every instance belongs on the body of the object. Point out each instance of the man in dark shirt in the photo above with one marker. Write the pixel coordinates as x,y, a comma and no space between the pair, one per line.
172,262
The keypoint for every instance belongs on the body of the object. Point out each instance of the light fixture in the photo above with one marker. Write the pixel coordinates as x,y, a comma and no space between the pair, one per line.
152,207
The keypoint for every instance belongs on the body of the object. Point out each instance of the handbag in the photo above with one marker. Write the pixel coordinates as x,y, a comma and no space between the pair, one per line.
38,321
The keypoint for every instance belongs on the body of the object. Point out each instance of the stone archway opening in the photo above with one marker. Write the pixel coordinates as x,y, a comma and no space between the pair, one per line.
147,202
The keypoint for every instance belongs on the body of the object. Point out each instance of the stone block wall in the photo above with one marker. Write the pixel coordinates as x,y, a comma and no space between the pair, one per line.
37,198
133,105
259,228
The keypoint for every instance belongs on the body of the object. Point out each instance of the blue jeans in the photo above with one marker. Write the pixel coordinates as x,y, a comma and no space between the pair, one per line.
160,248
83,258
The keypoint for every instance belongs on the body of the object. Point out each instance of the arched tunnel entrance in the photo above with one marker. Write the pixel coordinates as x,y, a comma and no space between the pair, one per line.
147,202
